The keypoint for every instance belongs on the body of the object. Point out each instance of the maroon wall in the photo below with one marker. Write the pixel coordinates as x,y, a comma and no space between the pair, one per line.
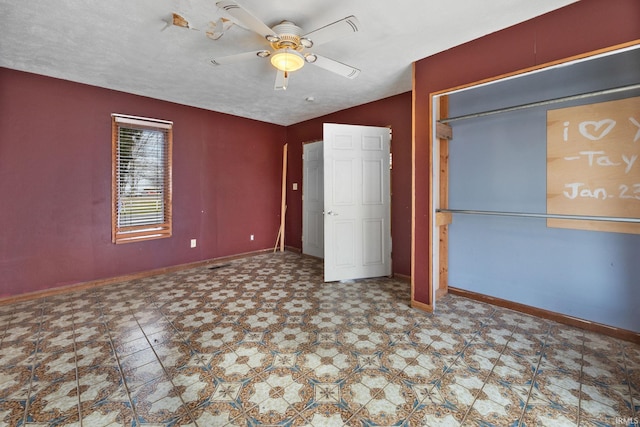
394,112
581,27
55,184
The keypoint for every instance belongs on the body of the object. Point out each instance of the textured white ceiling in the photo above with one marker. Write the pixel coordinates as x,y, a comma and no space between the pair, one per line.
121,45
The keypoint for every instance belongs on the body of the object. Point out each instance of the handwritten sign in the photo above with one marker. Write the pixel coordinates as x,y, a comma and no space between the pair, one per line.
593,164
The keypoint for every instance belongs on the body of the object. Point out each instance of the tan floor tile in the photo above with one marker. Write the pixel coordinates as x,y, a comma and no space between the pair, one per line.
55,401
436,414
11,412
215,415
327,363
493,413
167,410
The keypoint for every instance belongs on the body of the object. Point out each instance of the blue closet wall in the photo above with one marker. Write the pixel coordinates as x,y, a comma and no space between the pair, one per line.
498,163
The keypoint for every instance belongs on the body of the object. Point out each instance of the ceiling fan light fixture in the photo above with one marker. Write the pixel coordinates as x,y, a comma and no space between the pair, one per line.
287,60
263,53
311,58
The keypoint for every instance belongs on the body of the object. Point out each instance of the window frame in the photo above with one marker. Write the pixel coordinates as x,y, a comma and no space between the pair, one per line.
159,230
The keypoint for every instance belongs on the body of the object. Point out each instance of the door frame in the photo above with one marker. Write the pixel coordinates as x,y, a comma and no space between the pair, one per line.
304,186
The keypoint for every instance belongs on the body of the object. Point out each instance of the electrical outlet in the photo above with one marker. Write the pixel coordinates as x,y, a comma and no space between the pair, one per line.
193,243
251,237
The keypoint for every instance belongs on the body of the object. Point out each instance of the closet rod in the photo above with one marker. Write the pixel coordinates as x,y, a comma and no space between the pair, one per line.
539,103
540,215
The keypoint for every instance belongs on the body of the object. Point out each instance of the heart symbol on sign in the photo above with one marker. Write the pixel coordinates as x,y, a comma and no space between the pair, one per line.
596,130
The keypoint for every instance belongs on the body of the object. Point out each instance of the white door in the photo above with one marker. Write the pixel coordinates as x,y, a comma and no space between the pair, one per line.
357,202
312,200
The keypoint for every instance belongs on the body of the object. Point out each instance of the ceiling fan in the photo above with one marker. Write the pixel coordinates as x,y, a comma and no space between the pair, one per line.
289,44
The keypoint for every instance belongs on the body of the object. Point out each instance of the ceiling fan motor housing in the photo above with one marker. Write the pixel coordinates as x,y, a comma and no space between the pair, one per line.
288,36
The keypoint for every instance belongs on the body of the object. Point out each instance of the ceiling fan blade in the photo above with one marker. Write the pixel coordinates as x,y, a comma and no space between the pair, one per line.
341,28
334,66
245,18
282,80
218,28
238,57
177,20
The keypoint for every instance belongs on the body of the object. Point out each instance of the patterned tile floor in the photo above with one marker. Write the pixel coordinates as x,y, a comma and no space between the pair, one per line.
262,341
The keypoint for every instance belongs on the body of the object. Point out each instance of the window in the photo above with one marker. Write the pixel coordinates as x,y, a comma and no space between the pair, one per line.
141,178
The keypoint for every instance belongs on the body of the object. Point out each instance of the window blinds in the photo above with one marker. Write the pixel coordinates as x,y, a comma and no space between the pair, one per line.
142,178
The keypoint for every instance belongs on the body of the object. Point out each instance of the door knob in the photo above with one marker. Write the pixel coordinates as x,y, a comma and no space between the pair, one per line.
332,213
